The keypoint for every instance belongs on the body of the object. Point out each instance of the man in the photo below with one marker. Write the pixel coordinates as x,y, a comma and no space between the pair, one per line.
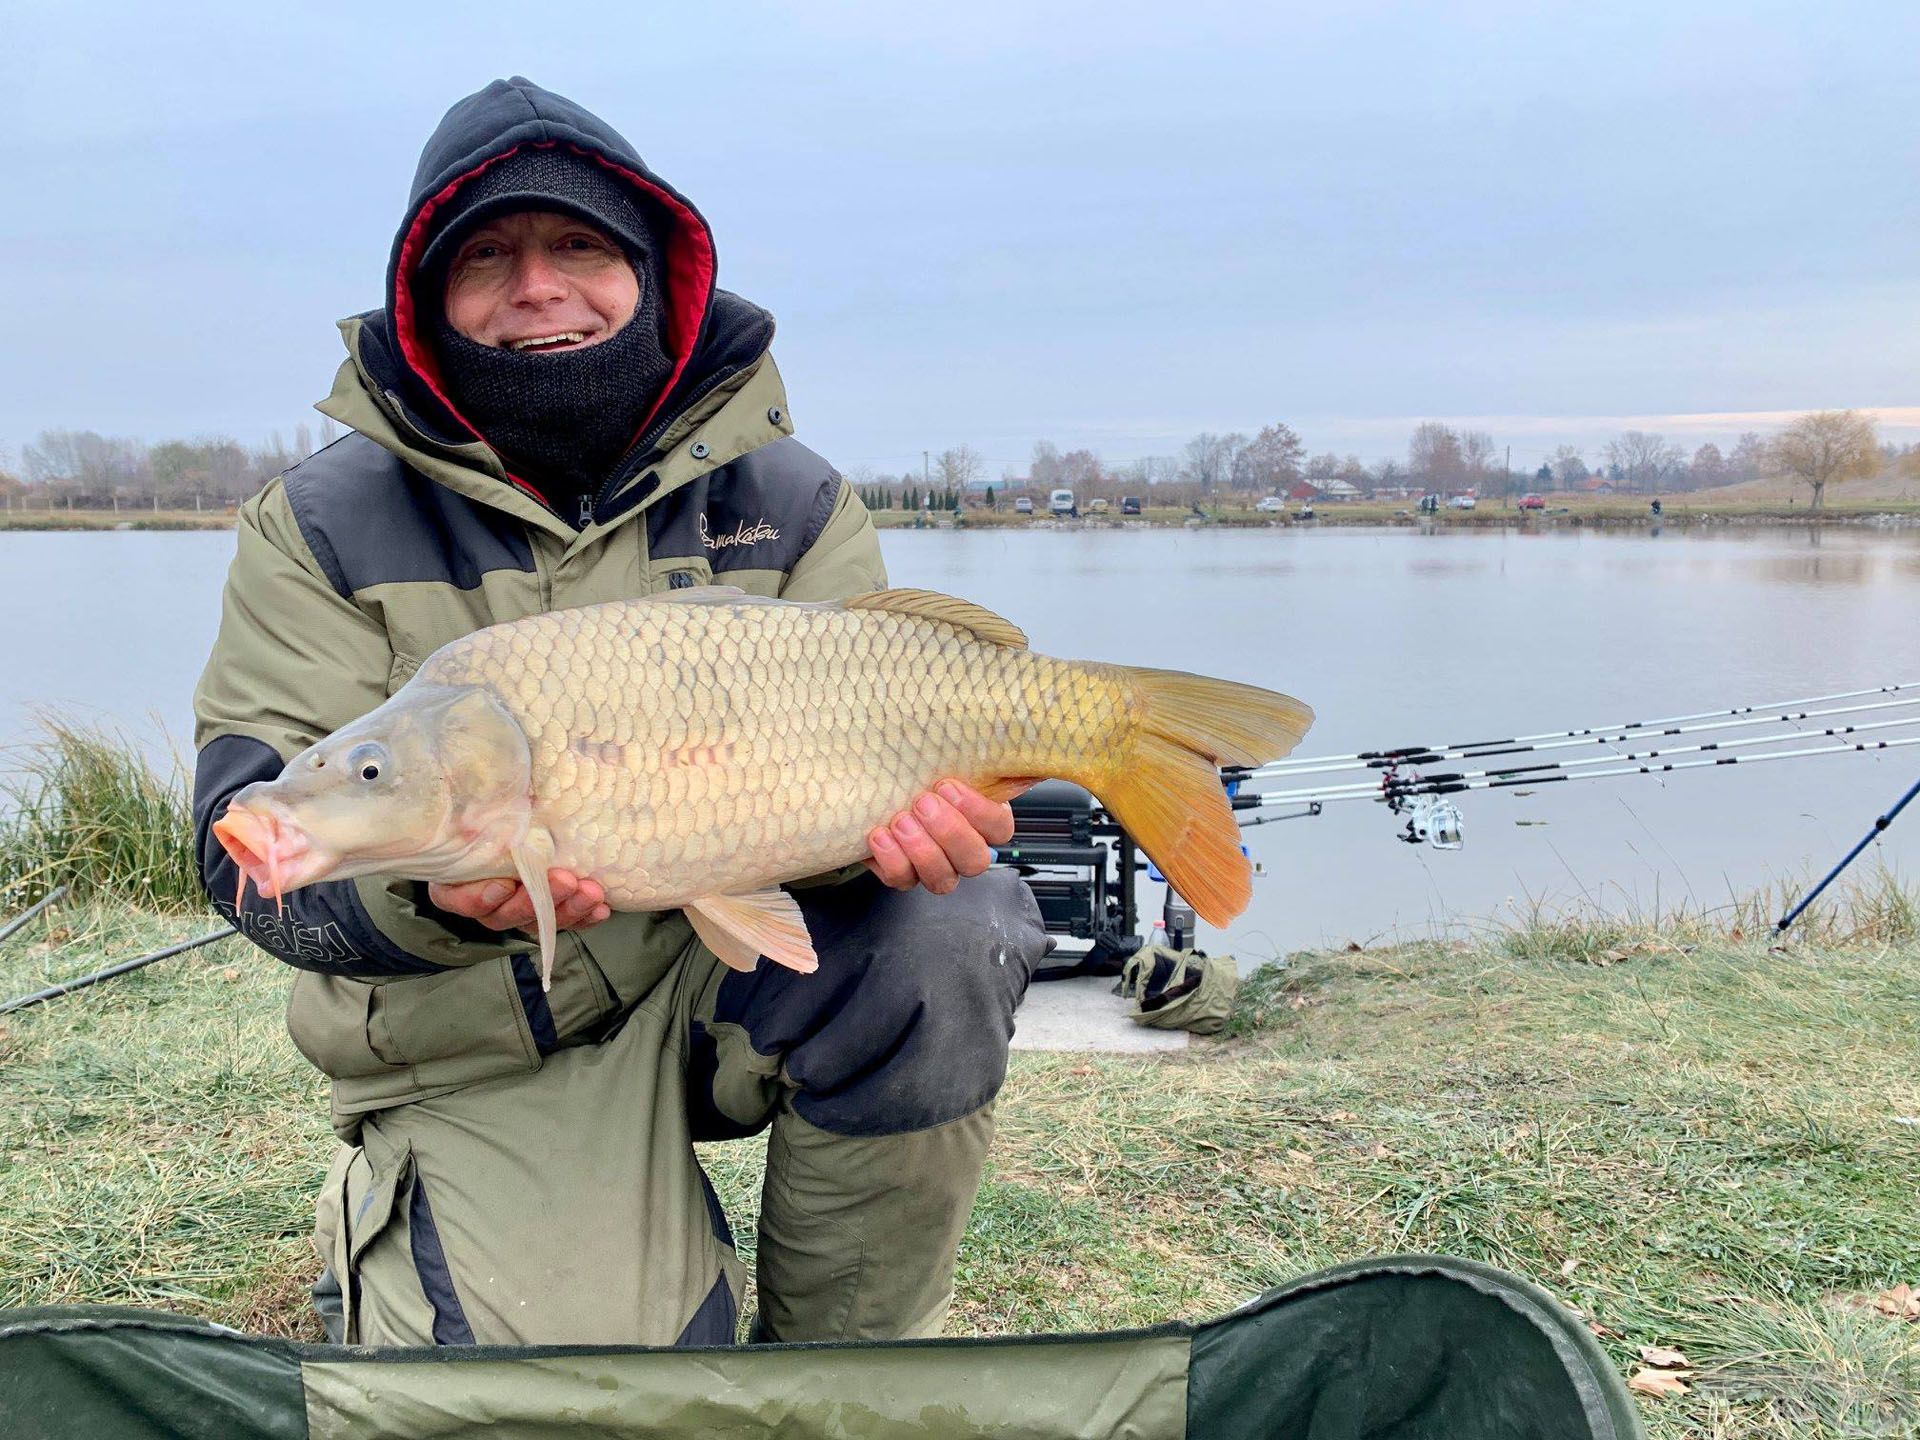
557,407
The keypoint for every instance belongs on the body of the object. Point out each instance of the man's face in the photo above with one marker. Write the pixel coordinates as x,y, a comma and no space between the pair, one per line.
537,281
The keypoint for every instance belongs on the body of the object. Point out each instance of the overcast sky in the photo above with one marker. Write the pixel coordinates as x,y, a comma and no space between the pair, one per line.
1110,225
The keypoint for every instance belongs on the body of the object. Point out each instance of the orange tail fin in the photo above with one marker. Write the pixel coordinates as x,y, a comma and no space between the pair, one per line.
1166,789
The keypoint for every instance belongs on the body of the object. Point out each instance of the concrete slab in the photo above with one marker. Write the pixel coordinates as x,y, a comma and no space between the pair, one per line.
1083,1014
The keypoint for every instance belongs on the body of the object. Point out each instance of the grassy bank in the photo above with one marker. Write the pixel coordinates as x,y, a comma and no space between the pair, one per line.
1709,1147
128,519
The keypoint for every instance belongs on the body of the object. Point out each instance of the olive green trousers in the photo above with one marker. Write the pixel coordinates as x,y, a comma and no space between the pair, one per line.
566,1205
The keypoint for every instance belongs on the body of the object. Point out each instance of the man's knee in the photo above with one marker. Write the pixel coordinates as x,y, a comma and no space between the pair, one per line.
906,1024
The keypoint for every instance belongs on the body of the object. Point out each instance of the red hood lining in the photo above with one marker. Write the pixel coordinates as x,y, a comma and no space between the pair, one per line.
689,269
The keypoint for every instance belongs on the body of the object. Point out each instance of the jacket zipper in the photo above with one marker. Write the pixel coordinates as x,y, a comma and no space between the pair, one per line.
627,470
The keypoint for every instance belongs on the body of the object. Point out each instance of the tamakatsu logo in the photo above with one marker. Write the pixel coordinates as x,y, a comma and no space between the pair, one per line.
316,946
741,534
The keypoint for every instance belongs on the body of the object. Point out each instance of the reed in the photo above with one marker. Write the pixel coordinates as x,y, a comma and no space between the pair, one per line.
83,807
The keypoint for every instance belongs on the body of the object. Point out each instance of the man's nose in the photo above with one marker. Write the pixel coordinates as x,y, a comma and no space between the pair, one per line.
536,279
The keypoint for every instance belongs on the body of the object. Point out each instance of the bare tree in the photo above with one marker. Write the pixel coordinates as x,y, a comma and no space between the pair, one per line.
1388,475
1434,456
1080,470
329,430
1825,448
1209,460
1476,455
1643,461
1569,469
959,468
1272,460
1046,464
1323,466
1749,458
1708,467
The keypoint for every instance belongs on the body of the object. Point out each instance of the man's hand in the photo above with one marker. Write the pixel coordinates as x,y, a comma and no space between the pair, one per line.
505,905
949,832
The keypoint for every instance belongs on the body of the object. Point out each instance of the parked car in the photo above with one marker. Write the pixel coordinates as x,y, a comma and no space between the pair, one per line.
1129,504
1460,502
1023,506
1061,502
1532,502
1097,505
1270,505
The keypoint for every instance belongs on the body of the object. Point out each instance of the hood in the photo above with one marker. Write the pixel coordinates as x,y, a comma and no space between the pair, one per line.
710,333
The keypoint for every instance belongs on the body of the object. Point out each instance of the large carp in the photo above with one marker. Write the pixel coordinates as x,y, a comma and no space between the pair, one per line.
697,748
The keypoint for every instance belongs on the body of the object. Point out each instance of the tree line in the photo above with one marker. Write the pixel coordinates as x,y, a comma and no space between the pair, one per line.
84,470
1817,449
81,469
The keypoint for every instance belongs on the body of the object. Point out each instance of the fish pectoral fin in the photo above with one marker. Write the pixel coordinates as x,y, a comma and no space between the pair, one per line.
531,858
742,928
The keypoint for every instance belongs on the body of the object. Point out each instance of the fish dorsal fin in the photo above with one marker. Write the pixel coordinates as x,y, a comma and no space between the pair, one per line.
931,605
698,595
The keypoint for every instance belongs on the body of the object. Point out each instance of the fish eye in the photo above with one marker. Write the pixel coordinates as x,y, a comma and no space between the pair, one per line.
367,761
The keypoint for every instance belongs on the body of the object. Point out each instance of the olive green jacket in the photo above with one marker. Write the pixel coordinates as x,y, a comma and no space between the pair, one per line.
356,565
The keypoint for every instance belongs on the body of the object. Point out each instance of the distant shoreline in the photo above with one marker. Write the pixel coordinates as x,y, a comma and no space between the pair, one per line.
1604,513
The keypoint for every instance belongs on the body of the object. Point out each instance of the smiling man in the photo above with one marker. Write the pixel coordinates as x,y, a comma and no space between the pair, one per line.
556,407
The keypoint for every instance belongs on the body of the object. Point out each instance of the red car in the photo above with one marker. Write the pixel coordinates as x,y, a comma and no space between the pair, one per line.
1532,502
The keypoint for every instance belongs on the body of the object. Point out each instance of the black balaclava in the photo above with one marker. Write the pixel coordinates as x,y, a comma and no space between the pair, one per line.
562,421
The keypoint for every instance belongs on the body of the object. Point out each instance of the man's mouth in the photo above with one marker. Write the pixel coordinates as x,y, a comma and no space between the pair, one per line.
559,341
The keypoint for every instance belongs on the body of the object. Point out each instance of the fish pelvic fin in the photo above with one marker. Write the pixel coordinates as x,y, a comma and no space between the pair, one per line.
531,857
742,928
976,620
1166,788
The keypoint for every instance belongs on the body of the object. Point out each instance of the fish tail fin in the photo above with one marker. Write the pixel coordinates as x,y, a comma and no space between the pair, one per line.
1165,789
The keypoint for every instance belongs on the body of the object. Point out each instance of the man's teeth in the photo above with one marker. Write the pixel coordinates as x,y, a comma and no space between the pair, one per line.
567,338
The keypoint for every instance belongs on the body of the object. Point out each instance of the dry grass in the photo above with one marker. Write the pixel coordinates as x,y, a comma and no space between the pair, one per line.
82,807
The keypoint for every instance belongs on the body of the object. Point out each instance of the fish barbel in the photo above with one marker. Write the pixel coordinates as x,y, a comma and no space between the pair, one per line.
697,749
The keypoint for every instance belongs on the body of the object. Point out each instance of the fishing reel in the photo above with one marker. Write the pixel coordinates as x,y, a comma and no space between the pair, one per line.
1434,821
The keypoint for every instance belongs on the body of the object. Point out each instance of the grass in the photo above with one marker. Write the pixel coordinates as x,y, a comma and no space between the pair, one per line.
1694,1139
83,807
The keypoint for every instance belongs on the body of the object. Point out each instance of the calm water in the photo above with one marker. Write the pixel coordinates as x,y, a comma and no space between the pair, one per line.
1394,638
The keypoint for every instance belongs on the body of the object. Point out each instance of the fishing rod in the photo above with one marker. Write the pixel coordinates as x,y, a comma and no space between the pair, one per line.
1390,783
1447,786
1401,752
1879,825
14,925
1279,769
139,962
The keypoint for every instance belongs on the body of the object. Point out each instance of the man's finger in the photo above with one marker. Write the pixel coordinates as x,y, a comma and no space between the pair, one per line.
925,854
958,838
471,898
992,819
889,862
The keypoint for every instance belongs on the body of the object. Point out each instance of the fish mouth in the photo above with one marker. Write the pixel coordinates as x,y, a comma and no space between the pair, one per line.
271,851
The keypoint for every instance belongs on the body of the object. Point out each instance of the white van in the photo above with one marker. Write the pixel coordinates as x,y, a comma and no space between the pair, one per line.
1060,502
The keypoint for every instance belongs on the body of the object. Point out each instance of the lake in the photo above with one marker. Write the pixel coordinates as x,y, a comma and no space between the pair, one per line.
1394,637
